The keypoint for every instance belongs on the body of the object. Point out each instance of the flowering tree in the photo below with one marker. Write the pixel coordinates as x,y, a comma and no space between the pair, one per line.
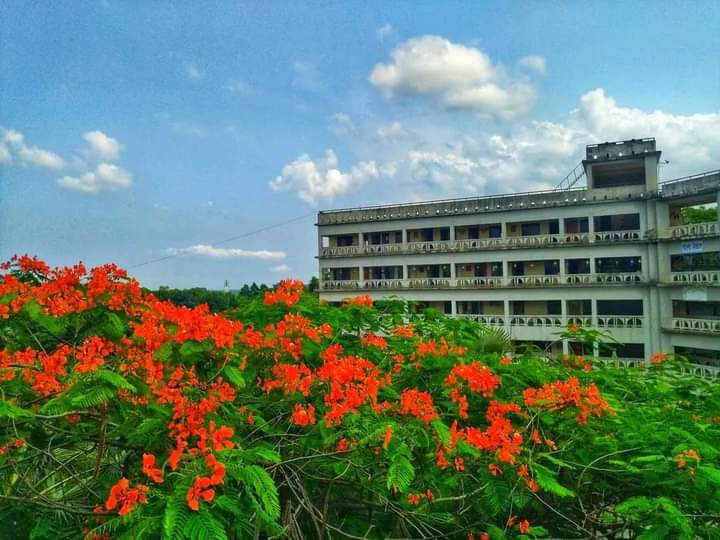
123,416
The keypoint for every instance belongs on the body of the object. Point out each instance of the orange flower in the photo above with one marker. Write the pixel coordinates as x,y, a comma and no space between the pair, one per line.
303,416
150,470
342,445
371,340
287,292
127,498
459,464
494,469
506,361
388,437
658,357
417,403
199,491
413,498
524,526
359,301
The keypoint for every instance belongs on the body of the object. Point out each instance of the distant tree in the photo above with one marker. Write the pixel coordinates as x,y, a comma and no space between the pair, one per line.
314,284
245,291
698,214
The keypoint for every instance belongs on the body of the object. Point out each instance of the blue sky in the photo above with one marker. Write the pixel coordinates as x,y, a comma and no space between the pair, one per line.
131,131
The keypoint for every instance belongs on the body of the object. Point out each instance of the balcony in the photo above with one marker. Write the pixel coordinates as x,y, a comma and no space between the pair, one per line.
542,321
479,244
555,280
619,321
697,276
702,326
486,320
693,230
618,236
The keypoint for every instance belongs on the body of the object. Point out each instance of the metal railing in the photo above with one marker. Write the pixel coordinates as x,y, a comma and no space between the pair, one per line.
694,229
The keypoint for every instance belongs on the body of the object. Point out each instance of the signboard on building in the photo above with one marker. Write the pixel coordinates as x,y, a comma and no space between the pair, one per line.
694,246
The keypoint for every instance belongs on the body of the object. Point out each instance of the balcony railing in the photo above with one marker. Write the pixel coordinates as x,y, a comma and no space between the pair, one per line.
580,320
701,370
447,246
543,321
619,321
487,320
698,276
557,280
615,236
708,228
339,284
711,326
535,281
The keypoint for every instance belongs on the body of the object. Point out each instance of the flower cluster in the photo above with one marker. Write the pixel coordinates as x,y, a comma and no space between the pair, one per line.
563,394
287,292
125,498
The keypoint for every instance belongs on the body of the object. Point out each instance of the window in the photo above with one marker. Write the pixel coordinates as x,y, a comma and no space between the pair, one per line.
530,229
473,232
620,307
480,270
553,227
695,262
554,307
618,222
552,268
444,234
609,265
345,240
578,266
631,350
495,231
496,269
398,237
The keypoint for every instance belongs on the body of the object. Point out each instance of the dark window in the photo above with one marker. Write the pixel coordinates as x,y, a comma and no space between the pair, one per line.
620,307
530,229
579,307
496,269
553,307
495,231
518,307
631,350
473,232
578,266
444,234
554,227
398,237
695,262
518,269
427,235
552,268
480,270
619,222
345,240
608,265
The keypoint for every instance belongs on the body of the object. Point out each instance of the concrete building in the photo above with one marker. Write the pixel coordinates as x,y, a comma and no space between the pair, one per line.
614,255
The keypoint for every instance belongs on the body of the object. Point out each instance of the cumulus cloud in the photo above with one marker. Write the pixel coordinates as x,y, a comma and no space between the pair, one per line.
14,149
445,160
315,179
106,176
386,31
534,63
211,252
457,76
281,268
102,145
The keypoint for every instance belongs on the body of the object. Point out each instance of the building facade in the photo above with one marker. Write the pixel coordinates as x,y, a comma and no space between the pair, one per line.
614,255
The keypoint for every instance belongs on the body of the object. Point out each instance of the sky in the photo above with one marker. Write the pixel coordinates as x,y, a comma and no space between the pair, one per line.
194,142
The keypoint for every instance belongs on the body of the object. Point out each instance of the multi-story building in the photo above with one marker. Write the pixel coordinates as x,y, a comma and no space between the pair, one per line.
613,255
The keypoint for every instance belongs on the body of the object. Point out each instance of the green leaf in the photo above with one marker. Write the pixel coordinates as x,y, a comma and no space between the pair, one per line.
546,479
115,379
400,474
8,410
235,376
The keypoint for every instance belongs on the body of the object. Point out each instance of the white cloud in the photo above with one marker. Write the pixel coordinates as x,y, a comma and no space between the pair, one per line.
204,250
386,31
281,268
534,63
313,180
15,149
189,128
390,132
457,76
106,176
102,146
193,72
342,124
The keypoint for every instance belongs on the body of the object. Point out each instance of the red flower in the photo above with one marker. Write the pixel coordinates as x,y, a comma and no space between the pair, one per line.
361,301
150,470
287,292
658,357
127,498
417,403
199,491
388,437
303,416
524,526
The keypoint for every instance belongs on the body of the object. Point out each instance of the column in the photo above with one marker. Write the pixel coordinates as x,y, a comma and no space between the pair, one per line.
503,230
361,239
591,228
563,314
404,236
561,226
361,276
506,271
594,313
453,307
452,233
405,275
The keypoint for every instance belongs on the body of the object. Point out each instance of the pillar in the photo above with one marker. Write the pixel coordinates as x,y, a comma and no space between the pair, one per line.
404,236
452,233
561,226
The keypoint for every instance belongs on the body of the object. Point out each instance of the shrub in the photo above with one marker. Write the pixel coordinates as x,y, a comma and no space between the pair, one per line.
123,416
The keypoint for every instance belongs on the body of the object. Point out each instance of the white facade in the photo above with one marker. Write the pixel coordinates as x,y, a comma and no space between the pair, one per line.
613,255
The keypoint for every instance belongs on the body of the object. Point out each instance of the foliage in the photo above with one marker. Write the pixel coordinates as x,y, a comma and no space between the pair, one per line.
698,214
124,416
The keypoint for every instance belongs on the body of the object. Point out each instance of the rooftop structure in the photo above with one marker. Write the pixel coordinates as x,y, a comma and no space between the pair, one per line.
614,254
